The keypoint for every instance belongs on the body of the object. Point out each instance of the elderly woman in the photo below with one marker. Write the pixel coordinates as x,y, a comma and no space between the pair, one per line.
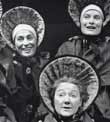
23,29
91,16
68,85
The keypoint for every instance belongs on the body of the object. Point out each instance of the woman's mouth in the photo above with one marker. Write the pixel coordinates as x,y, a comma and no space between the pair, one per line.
26,48
91,27
67,108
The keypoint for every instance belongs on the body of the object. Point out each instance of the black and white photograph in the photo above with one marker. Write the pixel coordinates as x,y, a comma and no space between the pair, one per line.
54,60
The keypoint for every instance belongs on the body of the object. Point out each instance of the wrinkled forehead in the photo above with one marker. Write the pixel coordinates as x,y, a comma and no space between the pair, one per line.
68,88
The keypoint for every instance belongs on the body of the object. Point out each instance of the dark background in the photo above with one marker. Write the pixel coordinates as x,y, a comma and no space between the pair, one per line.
59,25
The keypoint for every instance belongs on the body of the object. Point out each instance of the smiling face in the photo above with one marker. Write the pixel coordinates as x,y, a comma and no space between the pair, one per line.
91,22
67,99
25,43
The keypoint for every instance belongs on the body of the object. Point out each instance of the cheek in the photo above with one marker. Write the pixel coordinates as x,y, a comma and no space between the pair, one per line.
33,41
83,21
76,105
83,24
57,103
17,44
76,102
99,24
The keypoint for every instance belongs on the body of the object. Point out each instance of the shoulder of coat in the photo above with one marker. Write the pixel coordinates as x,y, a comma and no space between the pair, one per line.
107,39
45,54
75,38
50,118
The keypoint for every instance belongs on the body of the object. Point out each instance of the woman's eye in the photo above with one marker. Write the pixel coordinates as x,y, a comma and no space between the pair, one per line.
97,17
86,16
20,38
61,94
29,37
73,95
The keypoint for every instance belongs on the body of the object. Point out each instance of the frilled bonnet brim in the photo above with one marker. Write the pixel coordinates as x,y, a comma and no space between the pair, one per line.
21,15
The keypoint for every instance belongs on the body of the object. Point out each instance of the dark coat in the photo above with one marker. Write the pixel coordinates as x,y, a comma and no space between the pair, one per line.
25,98
51,118
97,51
5,89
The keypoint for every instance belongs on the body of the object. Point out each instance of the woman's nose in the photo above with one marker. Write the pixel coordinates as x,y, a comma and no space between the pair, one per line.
67,100
91,20
25,41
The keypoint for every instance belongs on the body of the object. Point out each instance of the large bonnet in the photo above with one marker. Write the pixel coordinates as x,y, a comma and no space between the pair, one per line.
76,6
69,66
21,15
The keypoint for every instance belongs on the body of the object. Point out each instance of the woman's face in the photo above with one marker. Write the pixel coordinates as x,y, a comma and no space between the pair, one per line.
25,43
91,22
67,99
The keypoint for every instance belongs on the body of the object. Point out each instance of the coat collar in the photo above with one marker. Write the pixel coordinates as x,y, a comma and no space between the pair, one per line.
36,59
